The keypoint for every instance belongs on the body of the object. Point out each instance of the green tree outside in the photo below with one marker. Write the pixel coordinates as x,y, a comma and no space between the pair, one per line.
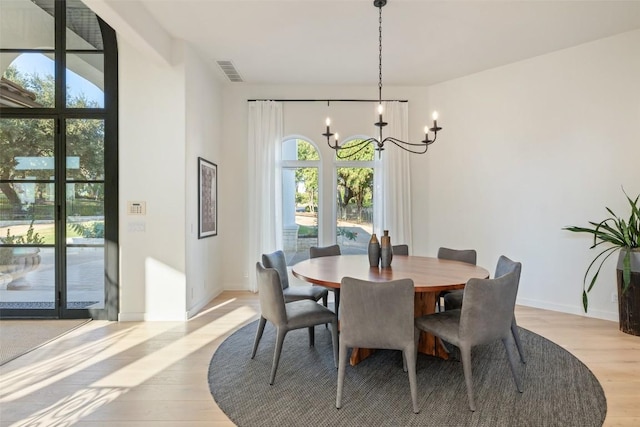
35,138
355,184
307,176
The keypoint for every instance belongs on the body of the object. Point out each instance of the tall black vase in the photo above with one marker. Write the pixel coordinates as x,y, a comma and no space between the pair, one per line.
386,251
374,251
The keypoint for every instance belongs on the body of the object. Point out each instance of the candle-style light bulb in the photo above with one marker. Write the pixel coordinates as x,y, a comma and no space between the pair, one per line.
435,115
336,135
380,109
435,121
426,130
328,121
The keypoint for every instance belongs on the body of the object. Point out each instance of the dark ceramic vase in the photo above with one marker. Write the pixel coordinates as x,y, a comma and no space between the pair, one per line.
374,251
386,251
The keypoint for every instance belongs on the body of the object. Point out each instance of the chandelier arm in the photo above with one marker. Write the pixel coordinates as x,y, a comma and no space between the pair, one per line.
408,146
400,142
417,148
351,154
360,146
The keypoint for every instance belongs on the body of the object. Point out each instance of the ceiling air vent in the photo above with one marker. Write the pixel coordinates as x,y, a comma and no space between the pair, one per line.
230,71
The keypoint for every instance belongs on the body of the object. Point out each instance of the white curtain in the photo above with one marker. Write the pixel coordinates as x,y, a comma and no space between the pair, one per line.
393,203
265,187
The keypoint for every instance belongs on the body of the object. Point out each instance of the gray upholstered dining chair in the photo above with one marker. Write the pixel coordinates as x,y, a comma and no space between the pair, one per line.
319,251
278,261
333,250
400,249
463,255
287,317
486,316
378,315
453,300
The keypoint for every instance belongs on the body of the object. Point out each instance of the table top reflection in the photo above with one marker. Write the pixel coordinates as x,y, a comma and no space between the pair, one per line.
428,274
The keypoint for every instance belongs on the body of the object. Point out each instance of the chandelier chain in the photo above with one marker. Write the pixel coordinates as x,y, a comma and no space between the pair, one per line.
380,54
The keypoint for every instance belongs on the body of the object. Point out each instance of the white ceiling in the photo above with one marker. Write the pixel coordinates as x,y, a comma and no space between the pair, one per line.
424,42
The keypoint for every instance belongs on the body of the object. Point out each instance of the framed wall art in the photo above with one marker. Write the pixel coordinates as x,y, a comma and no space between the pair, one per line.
207,198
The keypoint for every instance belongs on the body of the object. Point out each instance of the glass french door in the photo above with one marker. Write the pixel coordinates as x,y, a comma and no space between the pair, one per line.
58,161
52,258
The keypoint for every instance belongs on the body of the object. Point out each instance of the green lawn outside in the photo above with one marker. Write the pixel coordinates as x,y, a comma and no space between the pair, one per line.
45,231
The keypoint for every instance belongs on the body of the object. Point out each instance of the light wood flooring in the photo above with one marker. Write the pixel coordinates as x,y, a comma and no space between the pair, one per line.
155,373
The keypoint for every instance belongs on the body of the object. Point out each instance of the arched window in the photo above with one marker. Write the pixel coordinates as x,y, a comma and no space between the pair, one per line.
58,161
300,198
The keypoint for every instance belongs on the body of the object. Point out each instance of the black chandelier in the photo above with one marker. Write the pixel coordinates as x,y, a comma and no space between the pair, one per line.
416,148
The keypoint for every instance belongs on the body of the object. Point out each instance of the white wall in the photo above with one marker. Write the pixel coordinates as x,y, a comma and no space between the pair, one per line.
166,272
169,115
203,139
526,149
151,142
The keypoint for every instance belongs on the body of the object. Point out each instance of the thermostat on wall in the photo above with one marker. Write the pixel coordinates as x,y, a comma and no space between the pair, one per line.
137,208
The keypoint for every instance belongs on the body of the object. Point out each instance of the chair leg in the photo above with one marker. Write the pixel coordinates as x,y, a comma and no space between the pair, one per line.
465,353
444,345
312,336
342,366
416,341
280,334
334,342
508,347
259,332
336,297
410,356
516,337
325,302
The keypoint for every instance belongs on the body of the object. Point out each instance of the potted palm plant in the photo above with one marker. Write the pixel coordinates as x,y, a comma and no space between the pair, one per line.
622,237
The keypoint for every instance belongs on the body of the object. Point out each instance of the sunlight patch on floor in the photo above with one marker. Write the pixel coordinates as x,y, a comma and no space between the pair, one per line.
72,409
116,341
146,367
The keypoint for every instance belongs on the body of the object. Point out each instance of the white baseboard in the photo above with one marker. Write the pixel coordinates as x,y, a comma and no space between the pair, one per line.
203,303
569,309
130,317
240,286
152,317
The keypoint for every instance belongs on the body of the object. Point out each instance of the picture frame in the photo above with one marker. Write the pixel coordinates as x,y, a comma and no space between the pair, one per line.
207,198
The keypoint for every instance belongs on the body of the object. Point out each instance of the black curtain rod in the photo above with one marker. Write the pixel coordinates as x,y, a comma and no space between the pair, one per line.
326,100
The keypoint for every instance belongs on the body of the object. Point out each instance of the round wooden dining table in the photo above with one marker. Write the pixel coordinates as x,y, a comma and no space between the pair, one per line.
430,276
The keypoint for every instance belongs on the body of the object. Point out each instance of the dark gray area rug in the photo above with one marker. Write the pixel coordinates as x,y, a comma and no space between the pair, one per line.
559,390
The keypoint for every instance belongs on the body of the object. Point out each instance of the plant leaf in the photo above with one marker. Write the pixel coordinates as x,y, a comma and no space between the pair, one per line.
616,232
